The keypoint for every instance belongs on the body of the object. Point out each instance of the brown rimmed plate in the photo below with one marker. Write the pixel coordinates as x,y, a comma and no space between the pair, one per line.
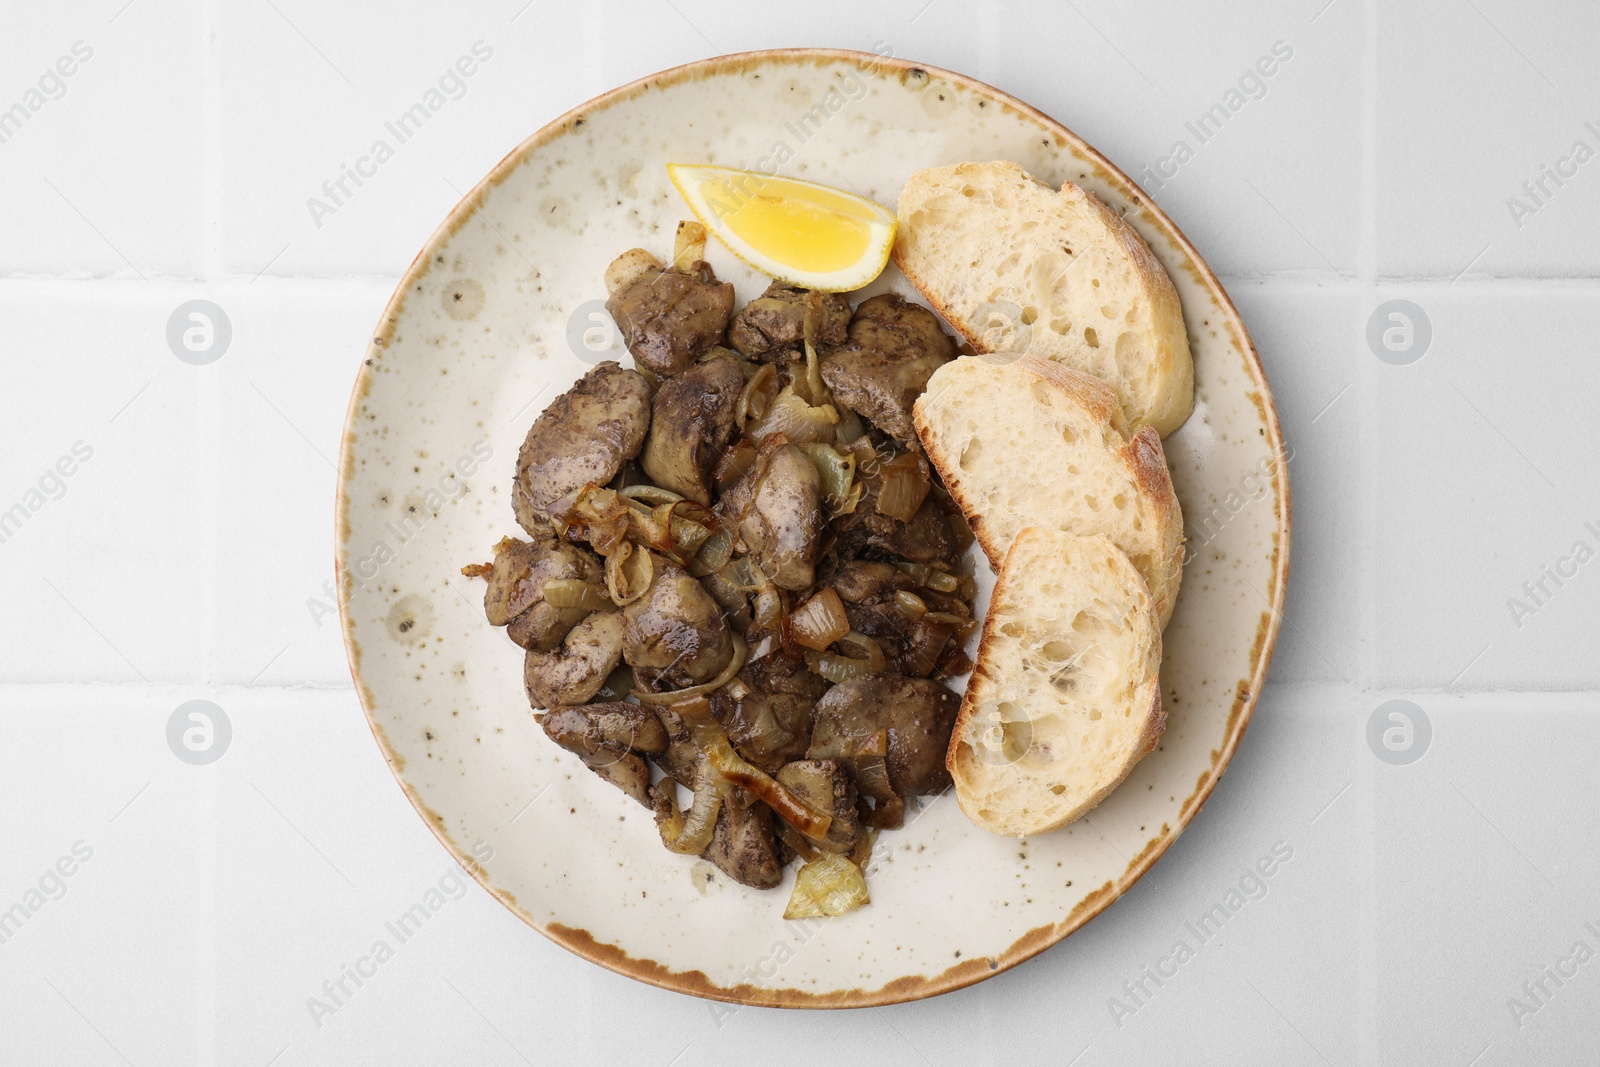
503,310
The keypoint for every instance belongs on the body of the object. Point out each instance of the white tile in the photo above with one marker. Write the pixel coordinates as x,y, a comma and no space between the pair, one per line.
1136,78
1298,754
318,850
300,883
1483,878
102,578
106,174
1271,183
1482,478
1474,101
127,919
280,395
337,87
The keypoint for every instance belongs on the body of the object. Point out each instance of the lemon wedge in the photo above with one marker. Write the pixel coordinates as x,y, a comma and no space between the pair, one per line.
800,232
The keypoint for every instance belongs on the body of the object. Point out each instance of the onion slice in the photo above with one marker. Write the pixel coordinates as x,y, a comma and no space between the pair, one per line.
910,604
837,471
826,886
820,621
738,459
594,514
649,494
872,778
757,395
797,420
840,668
784,804
713,555
735,663
688,245
687,837
628,574
903,484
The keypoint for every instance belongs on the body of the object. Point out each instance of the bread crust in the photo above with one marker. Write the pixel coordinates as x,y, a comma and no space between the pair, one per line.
1170,406
984,675
1142,454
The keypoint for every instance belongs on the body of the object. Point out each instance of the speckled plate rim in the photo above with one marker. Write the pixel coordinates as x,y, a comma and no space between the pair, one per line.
1035,941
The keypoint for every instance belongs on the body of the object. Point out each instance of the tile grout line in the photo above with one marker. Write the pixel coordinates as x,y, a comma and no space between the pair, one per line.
208,812
1368,1043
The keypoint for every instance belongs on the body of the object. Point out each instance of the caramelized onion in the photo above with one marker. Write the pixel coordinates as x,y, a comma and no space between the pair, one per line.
676,528
757,396
735,663
820,621
826,886
962,625
628,574
687,837
849,429
903,484
734,462
596,515
649,494
871,651
771,604
692,708
713,555
910,604
872,778
837,472
730,765
930,577
841,668
797,420
742,574
816,390
928,641
688,245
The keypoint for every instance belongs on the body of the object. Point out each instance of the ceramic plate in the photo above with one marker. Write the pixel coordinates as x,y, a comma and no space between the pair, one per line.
503,311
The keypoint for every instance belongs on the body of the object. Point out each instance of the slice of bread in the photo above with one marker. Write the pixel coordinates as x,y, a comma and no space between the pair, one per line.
1065,697
1024,441
1017,266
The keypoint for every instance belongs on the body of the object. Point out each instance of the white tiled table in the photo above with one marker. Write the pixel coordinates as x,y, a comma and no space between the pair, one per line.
186,556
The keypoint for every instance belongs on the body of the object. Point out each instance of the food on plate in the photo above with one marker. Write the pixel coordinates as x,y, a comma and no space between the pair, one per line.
515,597
892,349
770,328
1015,265
1065,697
668,316
803,233
582,438
776,510
576,671
1061,458
903,721
746,570
693,419
675,635
740,578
